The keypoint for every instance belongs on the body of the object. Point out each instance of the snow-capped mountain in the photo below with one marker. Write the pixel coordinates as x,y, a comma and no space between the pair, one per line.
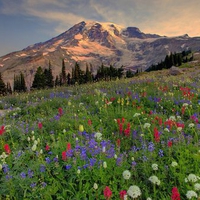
95,43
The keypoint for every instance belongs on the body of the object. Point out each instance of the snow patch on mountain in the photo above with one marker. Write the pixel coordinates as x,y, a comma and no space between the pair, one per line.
6,59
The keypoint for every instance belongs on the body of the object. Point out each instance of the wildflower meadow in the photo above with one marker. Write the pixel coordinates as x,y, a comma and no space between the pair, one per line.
135,138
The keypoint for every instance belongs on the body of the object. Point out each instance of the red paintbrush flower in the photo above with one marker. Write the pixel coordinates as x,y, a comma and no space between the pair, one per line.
2,130
89,122
68,146
118,142
175,194
64,156
60,111
156,135
7,149
169,144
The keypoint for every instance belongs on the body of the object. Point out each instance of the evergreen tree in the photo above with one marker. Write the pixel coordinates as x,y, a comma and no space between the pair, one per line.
120,72
8,88
39,80
129,74
68,79
49,77
22,87
57,81
88,74
2,86
64,76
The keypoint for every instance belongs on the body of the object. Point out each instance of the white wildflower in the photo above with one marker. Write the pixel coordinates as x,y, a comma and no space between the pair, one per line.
191,125
41,151
3,156
173,118
149,198
78,171
64,131
103,149
192,178
185,105
104,164
134,191
154,166
28,138
95,186
178,117
115,156
147,125
126,174
179,129
35,142
34,147
174,164
98,136
33,138
125,197
190,194
154,179
197,186
136,114
166,130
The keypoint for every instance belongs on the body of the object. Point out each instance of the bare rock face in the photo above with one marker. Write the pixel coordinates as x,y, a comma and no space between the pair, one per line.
94,43
175,71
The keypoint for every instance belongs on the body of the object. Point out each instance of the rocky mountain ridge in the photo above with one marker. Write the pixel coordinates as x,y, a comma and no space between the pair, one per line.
95,43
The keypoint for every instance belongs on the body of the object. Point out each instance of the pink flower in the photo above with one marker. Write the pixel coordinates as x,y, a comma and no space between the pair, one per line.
122,194
107,193
40,125
47,148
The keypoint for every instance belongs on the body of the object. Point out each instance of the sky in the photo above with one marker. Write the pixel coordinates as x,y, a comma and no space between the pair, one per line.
26,22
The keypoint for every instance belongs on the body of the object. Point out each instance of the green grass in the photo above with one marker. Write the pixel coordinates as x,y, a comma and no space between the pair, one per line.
129,124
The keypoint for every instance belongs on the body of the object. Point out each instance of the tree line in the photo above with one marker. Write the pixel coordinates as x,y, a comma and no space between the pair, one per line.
44,78
174,59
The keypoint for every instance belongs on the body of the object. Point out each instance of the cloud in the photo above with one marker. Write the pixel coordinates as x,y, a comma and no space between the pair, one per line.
164,17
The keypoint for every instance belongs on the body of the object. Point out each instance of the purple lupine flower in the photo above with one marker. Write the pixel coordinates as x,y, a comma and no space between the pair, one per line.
5,168
33,185
42,168
67,167
151,147
92,161
48,160
134,164
23,175
161,153
44,184
30,173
